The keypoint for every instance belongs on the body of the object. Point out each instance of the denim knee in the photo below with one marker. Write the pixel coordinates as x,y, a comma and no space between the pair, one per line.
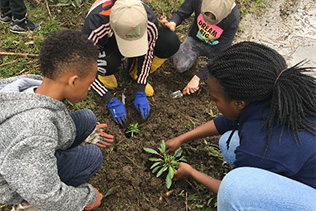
248,188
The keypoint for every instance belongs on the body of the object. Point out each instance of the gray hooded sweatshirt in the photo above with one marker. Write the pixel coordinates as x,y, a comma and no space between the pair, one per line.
32,128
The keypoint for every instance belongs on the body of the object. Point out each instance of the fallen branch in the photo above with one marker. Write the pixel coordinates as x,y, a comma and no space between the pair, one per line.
47,7
18,54
4,64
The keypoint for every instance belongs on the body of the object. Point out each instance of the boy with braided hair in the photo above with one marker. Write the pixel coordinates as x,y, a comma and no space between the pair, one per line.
41,162
268,126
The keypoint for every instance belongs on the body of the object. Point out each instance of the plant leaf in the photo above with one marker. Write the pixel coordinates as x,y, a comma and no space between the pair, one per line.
171,172
163,147
154,165
168,181
151,151
155,169
155,159
161,171
178,152
183,159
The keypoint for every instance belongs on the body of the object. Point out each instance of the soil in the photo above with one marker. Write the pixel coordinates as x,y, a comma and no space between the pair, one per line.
126,165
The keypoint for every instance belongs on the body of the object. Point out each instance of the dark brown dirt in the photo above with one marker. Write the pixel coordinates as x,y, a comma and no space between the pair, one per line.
126,166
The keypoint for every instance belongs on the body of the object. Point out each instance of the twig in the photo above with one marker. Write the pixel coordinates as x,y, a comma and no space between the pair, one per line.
4,64
133,162
47,7
59,5
186,201
194,188
19,54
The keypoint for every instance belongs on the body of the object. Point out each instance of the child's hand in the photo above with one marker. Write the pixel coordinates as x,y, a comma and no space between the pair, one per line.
173,144
171,25
100,138
96,203
192,86
184,171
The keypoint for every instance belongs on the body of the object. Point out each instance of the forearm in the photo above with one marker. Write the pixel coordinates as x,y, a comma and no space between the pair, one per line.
209,182
205,130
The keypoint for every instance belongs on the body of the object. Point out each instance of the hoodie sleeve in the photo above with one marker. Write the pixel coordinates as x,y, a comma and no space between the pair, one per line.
185,11
30,168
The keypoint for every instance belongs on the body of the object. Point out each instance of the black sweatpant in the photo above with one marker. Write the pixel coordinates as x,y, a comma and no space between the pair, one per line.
17,8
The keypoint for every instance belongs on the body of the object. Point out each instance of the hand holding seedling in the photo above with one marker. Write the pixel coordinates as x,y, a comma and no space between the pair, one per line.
173,144
100,138
183,172
165,162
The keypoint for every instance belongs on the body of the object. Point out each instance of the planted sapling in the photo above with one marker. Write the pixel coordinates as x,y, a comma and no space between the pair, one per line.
165,162
132,130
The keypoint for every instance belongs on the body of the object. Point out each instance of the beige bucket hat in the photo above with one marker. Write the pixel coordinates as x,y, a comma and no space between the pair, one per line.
128,20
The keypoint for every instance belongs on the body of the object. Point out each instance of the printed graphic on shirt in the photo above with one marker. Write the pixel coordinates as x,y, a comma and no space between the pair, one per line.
208,33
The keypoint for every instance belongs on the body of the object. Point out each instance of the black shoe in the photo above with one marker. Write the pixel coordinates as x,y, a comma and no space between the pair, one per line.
23,26
6,17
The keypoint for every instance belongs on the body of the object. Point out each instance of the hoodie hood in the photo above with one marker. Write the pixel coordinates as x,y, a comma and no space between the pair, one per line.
13,97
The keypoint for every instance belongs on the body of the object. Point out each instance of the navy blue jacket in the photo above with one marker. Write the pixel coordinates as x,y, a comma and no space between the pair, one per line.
284,156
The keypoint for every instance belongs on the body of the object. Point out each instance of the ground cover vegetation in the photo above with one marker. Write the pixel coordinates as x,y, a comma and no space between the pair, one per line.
125,179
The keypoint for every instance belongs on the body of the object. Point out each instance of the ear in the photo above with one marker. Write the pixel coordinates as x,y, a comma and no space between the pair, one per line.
73,80
240,105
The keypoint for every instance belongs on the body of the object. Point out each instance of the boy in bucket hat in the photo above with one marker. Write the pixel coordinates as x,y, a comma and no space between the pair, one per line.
127,28
212,31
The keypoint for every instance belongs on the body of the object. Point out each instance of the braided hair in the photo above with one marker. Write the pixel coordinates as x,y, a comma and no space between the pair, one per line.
251,72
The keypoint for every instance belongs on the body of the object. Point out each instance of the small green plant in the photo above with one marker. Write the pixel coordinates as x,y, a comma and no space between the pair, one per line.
165,162
133,130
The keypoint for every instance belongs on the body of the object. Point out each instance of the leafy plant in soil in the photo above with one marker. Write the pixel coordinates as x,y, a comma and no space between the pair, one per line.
132,131
165,162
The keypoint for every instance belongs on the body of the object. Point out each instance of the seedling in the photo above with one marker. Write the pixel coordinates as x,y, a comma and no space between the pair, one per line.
133,130
165,162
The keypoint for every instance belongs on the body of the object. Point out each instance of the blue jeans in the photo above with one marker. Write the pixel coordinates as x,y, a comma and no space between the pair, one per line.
188,52
78,163
248,188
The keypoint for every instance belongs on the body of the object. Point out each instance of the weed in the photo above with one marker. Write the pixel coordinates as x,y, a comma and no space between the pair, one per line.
166,162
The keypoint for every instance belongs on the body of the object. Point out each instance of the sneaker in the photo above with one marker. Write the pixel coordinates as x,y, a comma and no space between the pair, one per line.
6,17
24,26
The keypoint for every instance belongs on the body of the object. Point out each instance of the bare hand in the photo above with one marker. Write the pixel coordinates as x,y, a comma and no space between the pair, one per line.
173,144
192,86
166,23
100,138
184,171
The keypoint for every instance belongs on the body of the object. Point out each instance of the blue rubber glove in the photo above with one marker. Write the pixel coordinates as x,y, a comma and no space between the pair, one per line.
118,111
141,104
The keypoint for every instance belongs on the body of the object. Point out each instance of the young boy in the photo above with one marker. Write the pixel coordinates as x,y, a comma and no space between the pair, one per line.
269,127
212,31
127,28
41,162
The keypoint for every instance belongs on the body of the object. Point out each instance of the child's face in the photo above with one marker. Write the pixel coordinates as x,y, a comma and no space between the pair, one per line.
83,84
227,107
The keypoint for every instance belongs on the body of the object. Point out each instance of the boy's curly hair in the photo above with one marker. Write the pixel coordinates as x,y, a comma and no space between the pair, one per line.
251,72
65,51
